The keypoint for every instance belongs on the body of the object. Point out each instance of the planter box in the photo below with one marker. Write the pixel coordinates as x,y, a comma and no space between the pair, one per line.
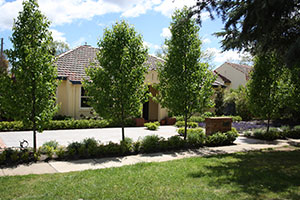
217,124
162,122
170,121
139,122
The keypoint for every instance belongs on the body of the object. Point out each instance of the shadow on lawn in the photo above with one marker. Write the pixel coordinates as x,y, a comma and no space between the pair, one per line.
256,173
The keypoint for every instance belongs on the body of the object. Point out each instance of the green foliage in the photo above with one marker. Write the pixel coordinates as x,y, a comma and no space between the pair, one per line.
55,125
189,124
31,90
291,132
246,28
195,137
117,88
190,130
152,126
185,82
151,143
59,47
265,92
272,134
220,139
11,156
176,142
49,148
219,102
236,103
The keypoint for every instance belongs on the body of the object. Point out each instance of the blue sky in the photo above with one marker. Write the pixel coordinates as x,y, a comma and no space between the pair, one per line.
77,22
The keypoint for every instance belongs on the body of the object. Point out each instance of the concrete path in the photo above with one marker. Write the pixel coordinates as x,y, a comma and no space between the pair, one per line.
241,144
64,137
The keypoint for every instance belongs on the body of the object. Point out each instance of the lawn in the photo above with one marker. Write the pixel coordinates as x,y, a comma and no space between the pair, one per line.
254,175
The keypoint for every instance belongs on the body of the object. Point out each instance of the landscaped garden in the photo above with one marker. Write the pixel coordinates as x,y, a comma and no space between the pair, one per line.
253,175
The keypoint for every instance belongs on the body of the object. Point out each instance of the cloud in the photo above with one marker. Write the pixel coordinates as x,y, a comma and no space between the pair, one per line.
221,57
58,36
151,46
166,33
141,7
206,40
79,42
167,7
9,11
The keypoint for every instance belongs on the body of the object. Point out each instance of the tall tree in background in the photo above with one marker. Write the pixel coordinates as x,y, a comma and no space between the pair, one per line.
117,87
219,102
264,87
259,26
31,89
185,82
59,47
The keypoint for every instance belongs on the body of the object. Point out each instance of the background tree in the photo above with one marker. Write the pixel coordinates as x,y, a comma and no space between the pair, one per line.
117,87
185,82
32,87
258,26
264,88
59,47
219,102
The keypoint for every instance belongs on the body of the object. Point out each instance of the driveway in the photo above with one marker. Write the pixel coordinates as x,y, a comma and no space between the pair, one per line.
64,137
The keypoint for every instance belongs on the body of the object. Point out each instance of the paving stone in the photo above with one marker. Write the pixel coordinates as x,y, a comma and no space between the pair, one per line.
118,161
76,165
1,172
36,168
157,157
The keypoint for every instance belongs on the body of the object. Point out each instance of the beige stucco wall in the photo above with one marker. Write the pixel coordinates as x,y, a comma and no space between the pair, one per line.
236,77
69,97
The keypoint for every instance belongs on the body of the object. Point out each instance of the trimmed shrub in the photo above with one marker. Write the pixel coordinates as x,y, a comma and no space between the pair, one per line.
195,137
190,130
273,134
151,143
73,150
189,124
151,126
11,156
292,132
221,139
175,142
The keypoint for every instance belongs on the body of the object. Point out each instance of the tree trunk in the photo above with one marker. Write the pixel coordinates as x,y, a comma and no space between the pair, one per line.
268,125
33,114
185,126
123,132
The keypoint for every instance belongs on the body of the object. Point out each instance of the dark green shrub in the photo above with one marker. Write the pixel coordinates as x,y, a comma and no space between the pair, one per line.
273,134
11,156
231,136
293,133
220,139
112,149
175,142
60,152
151,126
88,148
150,143
189,124
196,137
73,149
126,146
136,146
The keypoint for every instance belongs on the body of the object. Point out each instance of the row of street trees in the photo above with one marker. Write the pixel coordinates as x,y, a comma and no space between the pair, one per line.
116,88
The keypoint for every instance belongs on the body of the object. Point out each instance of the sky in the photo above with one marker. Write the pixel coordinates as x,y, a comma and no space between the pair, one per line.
79,22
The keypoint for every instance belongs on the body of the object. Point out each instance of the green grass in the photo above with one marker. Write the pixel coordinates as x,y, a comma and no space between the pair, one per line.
254,175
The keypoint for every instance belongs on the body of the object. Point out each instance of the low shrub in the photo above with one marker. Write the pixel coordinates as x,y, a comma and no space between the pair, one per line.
151,126
292,132
189,124
151,143
11,156
126,146
190,130
56,124
273,134
195,137
221,139
175,142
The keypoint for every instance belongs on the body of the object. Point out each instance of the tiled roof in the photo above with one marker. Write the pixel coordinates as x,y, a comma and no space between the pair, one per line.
226,80
242,68
71,64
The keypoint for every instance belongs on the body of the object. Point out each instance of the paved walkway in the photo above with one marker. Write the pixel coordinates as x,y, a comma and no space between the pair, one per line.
241,144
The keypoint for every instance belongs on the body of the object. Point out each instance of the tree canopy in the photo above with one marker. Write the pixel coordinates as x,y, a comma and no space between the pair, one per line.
30,91
185,82
117,87
258,26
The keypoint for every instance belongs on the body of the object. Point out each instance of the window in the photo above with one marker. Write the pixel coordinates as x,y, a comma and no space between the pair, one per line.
84,99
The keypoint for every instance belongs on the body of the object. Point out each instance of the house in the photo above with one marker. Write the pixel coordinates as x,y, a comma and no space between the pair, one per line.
233,75
70,93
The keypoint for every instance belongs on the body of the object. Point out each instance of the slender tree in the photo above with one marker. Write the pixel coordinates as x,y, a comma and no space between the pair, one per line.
117,87
185,82
59,47
219,102
31,88
264,87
